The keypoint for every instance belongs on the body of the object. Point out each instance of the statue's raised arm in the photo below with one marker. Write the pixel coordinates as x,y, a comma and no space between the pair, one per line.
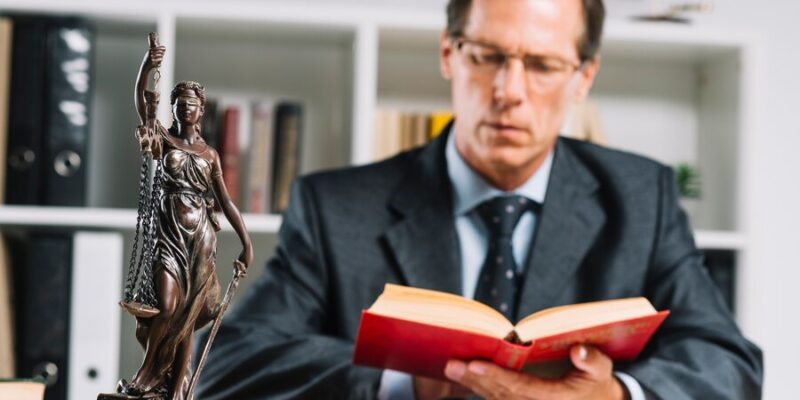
146,101
152,61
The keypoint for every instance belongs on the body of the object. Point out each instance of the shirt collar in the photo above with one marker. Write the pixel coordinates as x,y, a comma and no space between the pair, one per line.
470,189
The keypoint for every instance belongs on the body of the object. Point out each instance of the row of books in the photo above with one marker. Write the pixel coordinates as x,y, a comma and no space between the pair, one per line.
259,142
46,89
397,131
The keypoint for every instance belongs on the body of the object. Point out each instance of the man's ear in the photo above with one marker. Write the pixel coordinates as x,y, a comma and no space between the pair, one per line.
445,55
587,72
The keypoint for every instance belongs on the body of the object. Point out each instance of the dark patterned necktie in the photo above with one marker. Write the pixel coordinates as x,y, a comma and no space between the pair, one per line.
498,282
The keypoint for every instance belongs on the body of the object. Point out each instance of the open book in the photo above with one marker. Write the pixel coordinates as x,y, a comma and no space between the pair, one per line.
417,331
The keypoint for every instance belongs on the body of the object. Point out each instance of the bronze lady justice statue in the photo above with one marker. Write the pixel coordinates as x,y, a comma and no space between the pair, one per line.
184,281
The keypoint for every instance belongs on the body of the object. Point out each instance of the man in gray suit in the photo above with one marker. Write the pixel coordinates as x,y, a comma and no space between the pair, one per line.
589,224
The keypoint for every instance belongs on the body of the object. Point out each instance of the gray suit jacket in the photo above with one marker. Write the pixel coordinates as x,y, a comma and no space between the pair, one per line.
610,227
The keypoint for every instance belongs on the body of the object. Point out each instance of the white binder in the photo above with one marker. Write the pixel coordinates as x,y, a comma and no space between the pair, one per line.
97,259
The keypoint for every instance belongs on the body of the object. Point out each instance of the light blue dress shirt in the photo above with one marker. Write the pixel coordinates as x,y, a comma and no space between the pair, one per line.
470,190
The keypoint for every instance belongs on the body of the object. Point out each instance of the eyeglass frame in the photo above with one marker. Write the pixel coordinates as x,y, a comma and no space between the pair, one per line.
459,41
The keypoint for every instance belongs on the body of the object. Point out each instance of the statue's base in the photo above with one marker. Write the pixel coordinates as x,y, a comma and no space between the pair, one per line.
120,396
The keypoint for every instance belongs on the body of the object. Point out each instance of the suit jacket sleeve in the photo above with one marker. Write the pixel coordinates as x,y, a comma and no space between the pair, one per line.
698,352
278,342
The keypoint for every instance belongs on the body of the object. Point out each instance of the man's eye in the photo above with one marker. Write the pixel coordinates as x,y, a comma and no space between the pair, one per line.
495,59
541,66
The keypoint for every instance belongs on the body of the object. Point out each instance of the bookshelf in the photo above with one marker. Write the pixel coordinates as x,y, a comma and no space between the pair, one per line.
673,93
107,219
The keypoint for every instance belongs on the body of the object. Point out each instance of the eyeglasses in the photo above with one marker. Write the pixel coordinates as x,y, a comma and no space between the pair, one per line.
542,72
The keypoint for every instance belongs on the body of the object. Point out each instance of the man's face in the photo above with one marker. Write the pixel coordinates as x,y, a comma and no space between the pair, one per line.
508,117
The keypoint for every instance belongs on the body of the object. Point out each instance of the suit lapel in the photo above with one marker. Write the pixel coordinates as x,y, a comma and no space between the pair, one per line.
570,220
424,242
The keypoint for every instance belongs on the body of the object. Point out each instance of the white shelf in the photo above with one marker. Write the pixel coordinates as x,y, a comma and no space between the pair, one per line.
720,240
108,218
124,219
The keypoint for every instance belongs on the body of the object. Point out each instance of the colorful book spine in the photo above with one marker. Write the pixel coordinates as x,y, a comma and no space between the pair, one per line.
6,30
260,177
397,131
229,152
288,136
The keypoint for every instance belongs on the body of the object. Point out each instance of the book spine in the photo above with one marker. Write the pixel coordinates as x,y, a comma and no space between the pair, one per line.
210,126
511,356
406,131
379,140
67,110
288,134
260,171
438,121
26,111
6,30
229,152
6,314
420,129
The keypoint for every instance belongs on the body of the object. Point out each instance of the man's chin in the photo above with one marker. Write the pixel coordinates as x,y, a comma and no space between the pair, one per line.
510,163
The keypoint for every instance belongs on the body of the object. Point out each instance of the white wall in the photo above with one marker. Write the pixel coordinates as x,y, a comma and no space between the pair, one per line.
775,196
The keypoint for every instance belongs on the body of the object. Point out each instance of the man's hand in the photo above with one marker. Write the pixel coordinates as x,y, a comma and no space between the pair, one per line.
430,389
592,378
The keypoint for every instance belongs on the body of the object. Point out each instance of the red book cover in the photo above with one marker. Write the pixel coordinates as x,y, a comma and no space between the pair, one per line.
423,349
229,152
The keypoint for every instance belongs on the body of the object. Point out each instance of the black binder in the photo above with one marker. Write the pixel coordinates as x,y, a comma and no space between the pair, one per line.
721,266
42,281
49,112
26,111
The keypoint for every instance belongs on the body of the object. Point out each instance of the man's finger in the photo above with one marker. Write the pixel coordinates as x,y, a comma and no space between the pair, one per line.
457,371
489,380
591,361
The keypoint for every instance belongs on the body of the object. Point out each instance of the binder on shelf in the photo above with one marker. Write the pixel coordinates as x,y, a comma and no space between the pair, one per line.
49,116
67,319
94,333
42,311
24,159
721,267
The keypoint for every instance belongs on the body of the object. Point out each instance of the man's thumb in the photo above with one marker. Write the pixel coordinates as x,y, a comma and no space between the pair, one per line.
590,360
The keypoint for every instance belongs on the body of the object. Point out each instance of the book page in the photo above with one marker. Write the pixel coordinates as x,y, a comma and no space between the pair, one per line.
440,309
578,316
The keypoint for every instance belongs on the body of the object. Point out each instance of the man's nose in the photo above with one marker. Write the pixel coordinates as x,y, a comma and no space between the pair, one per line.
510,84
